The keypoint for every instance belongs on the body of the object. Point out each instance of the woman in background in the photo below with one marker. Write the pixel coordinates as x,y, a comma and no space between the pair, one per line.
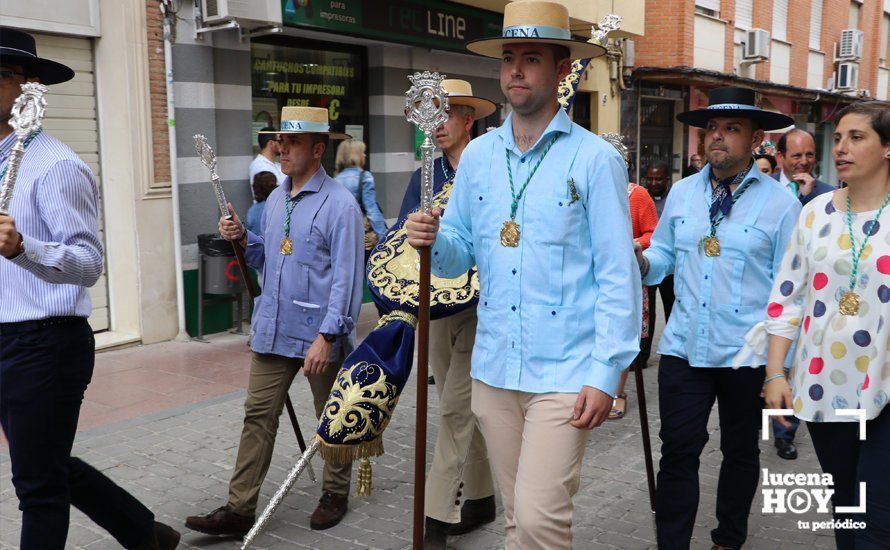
349,170
263,185
766,163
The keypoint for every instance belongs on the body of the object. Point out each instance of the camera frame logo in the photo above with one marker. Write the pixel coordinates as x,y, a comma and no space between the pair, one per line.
799,493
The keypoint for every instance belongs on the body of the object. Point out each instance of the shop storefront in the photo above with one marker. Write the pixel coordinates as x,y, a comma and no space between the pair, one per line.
650,106
289,71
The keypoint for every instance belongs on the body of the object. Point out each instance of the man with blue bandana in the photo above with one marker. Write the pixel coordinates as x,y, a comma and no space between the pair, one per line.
722,234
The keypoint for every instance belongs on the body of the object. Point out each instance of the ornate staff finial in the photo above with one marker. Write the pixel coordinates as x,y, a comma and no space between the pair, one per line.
601,30
208,158
617,141
426,106
26,119
28,110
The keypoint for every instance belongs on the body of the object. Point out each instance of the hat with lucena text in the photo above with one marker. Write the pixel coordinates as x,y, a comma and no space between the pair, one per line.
535,21
306,120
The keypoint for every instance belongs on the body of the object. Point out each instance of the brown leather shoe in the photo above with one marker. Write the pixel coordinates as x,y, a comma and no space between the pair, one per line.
220,522
331,509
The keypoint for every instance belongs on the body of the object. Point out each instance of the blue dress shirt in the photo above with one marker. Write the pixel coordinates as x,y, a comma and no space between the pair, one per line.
561,310
55,205
318,288
361,184
718,299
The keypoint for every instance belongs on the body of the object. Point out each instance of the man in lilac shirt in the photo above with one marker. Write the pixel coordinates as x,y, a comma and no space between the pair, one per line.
311,255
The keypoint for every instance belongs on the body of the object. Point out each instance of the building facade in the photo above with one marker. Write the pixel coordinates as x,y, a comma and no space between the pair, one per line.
150,75
231,76
808,58
104,115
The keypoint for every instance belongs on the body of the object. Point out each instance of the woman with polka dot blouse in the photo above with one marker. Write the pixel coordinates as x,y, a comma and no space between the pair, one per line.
832,295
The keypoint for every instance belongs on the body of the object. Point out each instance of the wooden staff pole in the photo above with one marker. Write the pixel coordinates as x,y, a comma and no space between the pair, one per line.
644,423
426,106
423,356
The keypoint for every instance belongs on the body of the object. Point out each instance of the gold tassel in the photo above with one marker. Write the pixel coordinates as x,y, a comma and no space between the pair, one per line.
363,478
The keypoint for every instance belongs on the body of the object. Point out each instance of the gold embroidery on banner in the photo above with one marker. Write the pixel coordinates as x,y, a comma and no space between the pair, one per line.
395,270
397,315
352,404
566,89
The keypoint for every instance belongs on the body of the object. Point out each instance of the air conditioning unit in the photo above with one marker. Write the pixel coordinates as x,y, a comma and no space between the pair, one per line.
847,76
756,44
850,46
251,13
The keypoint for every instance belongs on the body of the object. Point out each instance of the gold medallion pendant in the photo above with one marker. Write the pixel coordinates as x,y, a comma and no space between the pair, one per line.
287,246
849,304
712,246
510,234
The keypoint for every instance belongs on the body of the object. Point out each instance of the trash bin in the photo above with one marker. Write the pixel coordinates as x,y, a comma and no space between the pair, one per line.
219,268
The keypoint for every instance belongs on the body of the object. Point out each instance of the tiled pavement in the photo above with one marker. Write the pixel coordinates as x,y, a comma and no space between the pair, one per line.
163,421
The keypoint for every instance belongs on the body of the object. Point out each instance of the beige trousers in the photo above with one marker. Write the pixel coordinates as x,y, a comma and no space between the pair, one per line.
270,378
536,455
460,466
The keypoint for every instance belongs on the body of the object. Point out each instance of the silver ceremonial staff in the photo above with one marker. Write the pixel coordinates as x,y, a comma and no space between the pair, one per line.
426,106
282,492
208,158
26,119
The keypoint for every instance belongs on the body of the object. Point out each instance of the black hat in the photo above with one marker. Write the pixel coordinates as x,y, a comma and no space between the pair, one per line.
735,102
18,48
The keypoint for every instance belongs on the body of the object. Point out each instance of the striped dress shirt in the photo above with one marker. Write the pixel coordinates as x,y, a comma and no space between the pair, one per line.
55,205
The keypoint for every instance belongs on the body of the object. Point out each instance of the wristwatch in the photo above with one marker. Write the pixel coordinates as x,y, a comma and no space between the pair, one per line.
328,337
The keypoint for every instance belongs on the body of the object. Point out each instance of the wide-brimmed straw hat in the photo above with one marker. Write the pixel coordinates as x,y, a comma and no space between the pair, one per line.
736,103
460,92
537,22
306,120
18,48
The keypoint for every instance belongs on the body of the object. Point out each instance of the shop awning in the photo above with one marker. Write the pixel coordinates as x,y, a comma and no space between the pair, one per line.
690,76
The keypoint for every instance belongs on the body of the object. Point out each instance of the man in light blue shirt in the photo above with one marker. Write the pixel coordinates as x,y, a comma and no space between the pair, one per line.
310,252
722,234
540,206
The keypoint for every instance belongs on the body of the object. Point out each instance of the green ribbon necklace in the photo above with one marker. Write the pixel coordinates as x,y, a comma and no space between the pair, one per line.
849,302
287,245
510,230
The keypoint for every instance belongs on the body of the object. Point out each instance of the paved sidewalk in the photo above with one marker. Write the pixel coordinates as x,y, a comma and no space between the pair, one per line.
163,421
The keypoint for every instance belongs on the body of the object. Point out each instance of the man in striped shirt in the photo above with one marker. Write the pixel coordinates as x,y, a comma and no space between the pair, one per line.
51,254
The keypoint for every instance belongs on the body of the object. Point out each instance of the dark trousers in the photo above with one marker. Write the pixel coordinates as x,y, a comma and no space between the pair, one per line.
666,288
686,395
781,432
851,461
44,370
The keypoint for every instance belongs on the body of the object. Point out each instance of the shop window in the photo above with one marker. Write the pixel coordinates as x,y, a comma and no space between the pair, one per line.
657,142
291,72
